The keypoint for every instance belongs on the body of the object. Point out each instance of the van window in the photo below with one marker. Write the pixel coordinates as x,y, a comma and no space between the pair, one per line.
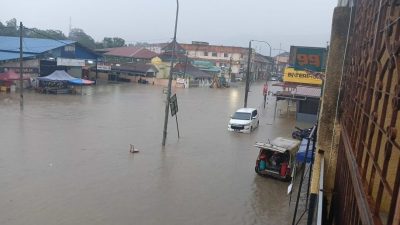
254,113
241,116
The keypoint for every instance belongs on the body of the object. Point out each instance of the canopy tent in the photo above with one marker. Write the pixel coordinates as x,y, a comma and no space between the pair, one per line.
79,81
58,75
11,76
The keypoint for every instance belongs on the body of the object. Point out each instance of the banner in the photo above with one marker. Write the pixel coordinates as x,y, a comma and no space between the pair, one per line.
70,62
300,76
103,67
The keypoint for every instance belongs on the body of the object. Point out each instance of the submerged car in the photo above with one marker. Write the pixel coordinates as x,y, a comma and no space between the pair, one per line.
244,120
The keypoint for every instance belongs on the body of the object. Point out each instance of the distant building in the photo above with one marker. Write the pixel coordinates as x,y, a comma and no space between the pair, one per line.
230,59
281,62
128,55
224,57
43,56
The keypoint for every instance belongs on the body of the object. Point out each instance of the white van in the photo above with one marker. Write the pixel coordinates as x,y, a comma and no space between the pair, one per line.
244,120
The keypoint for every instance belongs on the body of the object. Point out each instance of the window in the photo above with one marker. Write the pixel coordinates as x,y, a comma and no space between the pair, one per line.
205,53
214,54
254,113
69,48
241,116
226,55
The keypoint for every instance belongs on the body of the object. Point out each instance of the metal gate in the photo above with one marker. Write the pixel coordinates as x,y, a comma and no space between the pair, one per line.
368,169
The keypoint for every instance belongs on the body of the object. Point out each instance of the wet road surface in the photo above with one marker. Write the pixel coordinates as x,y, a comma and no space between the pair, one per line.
65,159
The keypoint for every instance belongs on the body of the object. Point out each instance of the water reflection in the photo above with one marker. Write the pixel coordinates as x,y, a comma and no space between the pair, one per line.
66,160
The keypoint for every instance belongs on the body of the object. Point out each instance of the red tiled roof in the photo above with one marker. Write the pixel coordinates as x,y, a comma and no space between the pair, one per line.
132,52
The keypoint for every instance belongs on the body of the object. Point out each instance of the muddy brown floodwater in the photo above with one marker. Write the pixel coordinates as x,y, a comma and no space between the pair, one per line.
65,160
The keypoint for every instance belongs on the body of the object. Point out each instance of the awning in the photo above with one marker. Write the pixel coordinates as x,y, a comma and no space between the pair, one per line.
11,76
79,81
58,75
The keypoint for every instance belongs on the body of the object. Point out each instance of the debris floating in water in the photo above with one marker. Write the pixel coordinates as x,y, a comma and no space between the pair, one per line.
133,149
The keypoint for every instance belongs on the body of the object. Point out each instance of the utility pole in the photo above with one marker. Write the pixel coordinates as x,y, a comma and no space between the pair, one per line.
246,94
70,25
170,77
186,62
230,69
97,72
21,83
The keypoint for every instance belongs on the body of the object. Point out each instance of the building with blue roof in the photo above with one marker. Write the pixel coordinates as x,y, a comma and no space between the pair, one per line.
44,56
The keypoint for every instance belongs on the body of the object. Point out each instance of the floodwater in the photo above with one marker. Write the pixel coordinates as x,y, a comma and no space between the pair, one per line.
65,159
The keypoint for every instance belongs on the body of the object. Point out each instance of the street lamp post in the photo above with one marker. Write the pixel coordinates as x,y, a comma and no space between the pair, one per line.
246,94
170,77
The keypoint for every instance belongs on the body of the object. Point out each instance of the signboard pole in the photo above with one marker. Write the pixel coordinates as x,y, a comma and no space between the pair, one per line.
265,99
177,126
276,103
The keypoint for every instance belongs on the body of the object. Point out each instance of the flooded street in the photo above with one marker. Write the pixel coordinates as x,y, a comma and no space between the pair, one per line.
65,160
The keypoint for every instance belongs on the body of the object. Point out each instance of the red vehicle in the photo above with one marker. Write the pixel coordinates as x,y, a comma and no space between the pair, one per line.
277,158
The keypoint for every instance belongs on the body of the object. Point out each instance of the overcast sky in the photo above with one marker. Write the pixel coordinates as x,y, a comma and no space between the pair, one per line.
222,22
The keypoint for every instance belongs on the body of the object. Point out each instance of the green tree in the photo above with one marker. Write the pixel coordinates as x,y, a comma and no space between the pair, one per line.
118,42
52,34
113,42
80,36
10,28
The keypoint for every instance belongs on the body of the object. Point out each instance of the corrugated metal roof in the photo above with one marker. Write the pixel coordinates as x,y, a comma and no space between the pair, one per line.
31,45
12,55
307,91
190,71
298,90
139,68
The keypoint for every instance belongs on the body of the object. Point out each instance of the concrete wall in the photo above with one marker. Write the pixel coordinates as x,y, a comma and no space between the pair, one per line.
328,128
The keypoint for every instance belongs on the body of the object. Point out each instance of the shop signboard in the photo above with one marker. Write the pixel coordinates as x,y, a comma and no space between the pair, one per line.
26,70
174,105
104,67
308,58
70,62
300,76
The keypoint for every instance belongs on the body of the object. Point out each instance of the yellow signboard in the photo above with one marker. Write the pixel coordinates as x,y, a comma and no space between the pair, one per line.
300,76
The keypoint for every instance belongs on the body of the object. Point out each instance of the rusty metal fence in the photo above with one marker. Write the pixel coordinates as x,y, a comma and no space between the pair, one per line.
368,169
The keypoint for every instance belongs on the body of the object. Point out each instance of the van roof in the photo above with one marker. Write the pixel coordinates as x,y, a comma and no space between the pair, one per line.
246,110
279,144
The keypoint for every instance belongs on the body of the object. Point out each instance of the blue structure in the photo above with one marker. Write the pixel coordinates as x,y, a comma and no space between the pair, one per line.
301,154
42,48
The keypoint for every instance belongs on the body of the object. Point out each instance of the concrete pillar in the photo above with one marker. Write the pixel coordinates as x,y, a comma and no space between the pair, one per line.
328,129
